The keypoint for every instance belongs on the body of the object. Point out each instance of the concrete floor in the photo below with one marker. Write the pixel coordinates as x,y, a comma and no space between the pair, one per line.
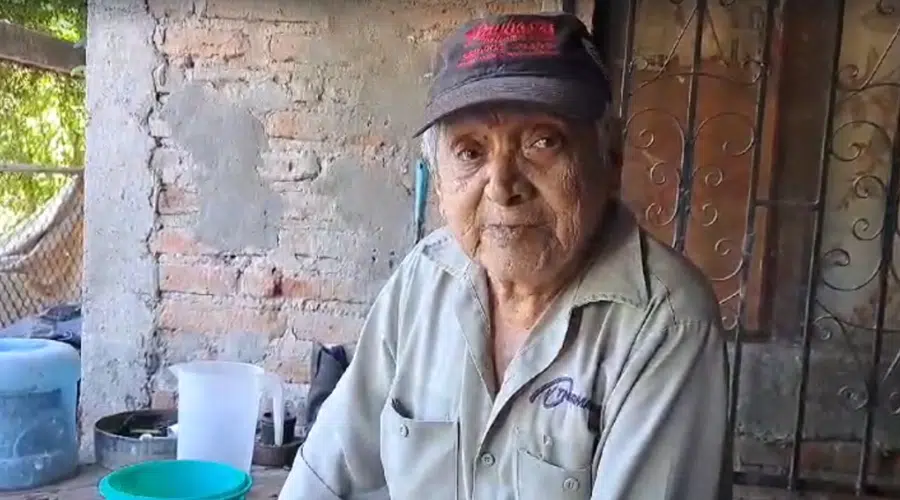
266,485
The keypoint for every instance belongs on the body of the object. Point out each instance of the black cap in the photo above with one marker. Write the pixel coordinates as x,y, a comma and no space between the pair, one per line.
544,59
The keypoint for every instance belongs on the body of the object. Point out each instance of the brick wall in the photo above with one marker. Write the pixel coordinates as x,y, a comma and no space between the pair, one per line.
330,92
250,191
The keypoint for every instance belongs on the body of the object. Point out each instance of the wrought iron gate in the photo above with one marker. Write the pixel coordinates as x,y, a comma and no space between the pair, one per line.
762,142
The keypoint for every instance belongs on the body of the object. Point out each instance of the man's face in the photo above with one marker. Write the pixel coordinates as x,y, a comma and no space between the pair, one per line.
522,191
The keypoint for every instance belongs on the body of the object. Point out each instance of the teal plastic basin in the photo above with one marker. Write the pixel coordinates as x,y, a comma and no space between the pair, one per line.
176,480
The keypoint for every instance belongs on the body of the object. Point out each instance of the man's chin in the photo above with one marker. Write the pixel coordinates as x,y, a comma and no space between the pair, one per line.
512,232
517,239
524,265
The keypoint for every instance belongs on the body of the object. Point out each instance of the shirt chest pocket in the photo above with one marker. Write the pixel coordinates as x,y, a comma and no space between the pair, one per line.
537,479
419,457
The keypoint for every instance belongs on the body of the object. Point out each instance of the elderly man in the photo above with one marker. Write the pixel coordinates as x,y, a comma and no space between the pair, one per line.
541,346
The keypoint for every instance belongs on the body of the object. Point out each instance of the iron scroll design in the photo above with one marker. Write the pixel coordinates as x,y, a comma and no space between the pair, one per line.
858,265
682,172
852,296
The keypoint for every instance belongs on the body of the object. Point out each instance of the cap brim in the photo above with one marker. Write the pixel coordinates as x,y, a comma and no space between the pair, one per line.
569,98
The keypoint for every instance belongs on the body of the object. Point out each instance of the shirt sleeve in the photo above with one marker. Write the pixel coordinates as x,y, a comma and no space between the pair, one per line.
665,437
341,457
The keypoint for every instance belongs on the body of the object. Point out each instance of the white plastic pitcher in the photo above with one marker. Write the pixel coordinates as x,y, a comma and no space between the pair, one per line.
218,408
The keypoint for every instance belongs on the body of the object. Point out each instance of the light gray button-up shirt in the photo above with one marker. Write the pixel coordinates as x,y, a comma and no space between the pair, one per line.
619,392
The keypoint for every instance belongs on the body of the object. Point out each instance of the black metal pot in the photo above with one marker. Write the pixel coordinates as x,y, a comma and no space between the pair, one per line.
118,442
267,428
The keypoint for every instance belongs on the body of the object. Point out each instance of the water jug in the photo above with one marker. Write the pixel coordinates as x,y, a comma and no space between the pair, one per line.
218,408
38,438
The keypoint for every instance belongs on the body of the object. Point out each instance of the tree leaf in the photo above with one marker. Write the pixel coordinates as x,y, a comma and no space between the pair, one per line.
42,114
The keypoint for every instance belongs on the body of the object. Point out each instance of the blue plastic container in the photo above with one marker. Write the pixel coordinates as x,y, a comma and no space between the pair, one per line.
176,480
38,393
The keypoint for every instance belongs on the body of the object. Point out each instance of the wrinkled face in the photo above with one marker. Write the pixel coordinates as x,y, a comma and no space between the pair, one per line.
522,191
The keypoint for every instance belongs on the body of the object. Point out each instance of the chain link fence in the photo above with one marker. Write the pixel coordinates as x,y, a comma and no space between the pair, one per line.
41,252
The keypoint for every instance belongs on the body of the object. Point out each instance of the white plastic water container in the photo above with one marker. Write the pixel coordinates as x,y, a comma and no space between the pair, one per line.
218,409
38,392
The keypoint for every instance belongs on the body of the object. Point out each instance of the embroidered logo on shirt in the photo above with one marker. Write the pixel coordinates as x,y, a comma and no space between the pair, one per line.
560,391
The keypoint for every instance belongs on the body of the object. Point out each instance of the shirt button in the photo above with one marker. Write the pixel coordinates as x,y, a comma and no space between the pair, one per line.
487,459
404,431
571,484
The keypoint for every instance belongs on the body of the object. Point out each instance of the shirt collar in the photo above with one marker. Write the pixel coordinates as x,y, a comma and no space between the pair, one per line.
615,273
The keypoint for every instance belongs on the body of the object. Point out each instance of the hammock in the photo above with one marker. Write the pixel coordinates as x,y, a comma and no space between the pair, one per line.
41,259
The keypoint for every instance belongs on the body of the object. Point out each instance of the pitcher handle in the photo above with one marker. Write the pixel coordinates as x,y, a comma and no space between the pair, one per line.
275,389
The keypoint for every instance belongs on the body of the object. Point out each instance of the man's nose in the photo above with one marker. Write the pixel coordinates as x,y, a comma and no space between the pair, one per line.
506,185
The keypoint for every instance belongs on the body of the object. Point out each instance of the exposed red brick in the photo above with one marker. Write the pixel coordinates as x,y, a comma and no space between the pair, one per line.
294,287
177,241
337,289
209,315
270,10
269,281
324,326
261,281
204,42
294,125
198,278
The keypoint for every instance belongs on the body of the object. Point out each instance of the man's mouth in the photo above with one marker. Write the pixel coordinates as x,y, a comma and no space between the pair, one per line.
511,229
511,226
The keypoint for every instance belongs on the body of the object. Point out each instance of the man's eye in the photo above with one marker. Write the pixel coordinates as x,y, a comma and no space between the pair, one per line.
548,142
467,155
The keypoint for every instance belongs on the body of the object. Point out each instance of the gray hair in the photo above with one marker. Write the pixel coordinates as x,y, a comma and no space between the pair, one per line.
609,138
430,139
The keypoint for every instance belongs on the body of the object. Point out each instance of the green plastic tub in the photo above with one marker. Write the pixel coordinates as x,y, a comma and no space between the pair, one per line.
176,480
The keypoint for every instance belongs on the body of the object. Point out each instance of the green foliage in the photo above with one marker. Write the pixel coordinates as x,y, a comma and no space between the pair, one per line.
42,114
66,19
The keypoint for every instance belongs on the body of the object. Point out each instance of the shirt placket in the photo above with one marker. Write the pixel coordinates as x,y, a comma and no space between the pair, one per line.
478,390
484,430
